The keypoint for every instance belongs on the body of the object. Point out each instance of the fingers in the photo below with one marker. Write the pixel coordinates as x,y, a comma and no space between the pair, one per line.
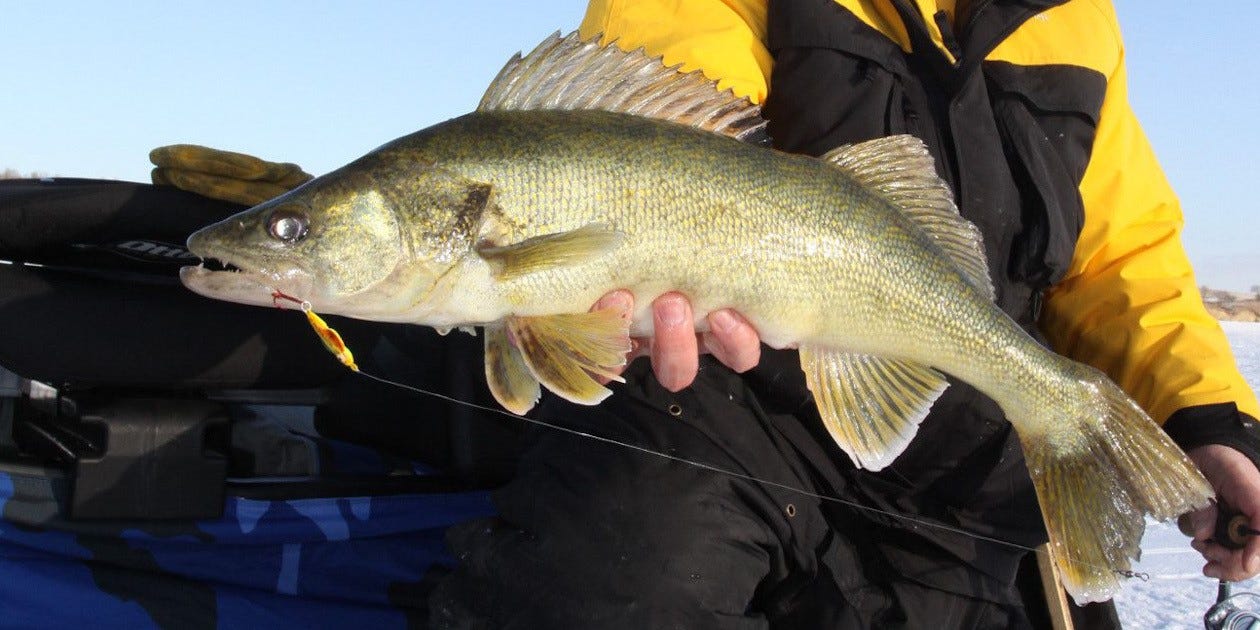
1226,564
1229,564
1202,527
1202,523
620,299
732,340
1223,563
1237,484
1246,561
675,352
674,347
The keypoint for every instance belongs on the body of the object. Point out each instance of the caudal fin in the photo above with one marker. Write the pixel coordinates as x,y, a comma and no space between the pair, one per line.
1097,474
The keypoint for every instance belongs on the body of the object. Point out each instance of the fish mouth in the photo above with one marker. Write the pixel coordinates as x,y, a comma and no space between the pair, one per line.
234,281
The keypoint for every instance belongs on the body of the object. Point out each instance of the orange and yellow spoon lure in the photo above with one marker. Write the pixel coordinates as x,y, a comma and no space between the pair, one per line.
330,338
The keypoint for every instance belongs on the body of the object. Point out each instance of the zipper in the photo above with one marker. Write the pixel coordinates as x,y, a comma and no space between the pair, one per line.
980,50
947,36
921,44
973,16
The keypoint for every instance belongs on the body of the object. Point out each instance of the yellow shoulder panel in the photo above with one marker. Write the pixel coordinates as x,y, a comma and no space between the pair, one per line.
1129,304
1079,33
881,16
724,39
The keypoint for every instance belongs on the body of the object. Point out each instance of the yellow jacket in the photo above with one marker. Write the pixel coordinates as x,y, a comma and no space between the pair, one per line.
1128,304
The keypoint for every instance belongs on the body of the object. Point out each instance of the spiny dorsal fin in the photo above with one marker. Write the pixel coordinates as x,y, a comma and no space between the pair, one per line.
568,73
871,406
901,169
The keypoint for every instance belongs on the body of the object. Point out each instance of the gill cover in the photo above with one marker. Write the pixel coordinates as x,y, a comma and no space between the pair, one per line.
441,214
344,233
386,230
334,237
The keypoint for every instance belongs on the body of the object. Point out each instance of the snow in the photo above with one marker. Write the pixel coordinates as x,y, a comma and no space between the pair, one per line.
1177,594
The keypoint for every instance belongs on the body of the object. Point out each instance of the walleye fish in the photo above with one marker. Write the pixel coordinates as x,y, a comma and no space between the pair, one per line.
587,168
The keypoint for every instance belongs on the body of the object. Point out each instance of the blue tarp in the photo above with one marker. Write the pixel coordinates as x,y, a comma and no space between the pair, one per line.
348,561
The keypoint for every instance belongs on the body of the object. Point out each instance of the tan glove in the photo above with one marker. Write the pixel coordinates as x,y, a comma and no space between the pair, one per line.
224,175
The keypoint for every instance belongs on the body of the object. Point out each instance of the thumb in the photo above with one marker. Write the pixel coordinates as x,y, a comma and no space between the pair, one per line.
1199,524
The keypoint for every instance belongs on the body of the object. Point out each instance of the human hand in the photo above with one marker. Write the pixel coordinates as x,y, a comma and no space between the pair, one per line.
224,175
1237,484
675,346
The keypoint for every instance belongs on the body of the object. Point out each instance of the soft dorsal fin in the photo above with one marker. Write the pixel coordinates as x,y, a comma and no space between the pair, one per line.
570,73
901,169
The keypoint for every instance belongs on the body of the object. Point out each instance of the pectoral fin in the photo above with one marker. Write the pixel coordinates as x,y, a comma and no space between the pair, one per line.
871,406
509,378
563,351
551,250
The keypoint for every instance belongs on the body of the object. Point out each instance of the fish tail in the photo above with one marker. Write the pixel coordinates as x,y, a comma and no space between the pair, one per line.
1098,469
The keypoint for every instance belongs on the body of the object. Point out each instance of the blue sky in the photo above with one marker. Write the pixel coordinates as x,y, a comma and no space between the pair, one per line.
89,88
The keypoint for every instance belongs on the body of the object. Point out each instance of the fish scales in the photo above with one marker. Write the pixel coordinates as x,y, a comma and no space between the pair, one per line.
728,209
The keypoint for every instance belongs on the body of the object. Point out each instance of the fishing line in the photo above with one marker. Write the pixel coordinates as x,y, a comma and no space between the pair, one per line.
738,475
334,344
684,460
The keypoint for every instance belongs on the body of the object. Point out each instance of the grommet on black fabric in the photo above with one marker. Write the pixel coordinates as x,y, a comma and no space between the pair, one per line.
675,410
790,510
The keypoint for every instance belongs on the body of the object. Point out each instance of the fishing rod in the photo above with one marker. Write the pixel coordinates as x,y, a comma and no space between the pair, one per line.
1231,611
1233,529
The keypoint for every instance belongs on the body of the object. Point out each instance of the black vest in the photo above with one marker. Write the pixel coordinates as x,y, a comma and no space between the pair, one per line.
1013,142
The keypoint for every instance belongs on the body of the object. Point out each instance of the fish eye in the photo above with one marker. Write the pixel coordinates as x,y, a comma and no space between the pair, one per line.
288,225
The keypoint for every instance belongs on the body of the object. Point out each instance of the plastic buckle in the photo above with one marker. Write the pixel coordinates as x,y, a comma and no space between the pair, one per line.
159,459
10,391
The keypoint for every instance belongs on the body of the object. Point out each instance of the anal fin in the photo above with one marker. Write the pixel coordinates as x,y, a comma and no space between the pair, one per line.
508,376
871,406
564,351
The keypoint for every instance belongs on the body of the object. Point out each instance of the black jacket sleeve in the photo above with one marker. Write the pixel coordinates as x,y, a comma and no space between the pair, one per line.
1221,423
